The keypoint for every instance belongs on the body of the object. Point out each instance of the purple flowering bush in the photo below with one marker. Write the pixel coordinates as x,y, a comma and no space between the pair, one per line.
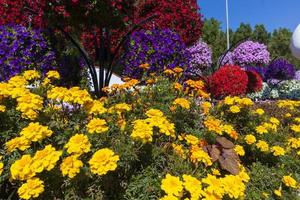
21,49
227,59
201,56
258,69
159,48
280,69
251,53
297,75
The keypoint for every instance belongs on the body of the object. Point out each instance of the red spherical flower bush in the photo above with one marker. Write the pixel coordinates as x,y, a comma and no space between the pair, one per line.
229,80
255,82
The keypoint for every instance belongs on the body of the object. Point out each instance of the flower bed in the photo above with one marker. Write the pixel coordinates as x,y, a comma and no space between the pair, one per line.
165,140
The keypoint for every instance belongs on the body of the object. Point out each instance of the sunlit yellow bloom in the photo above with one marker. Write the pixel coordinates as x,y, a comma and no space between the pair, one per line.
296,128
97,125
178,149
259,111
275,121
31,75
190,139
277,192
70,166
277,151
216,172
20,143
184,103
53,75
103,161
21,169
169,197
1,167
172,185
262,145
78,144
193,186
261,129
239,150
235,109
31,189
198,155
35,132
178,70
289,181
213,125
250,139
2,108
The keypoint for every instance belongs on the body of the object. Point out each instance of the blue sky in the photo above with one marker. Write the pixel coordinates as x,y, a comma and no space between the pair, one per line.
272,13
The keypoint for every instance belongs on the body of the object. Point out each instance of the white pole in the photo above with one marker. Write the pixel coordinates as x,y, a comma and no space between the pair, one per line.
227,24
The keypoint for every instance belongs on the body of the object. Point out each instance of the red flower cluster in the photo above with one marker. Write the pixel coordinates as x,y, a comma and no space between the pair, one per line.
22,12
180,15
229,80
255,82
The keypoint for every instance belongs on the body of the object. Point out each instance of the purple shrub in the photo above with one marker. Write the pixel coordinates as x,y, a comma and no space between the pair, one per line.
22,49
297,75
258,69
251,53
201,56
159,48
280,69
227,60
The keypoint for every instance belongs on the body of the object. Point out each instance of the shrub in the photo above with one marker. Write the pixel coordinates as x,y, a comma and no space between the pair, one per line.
201,57
159,48
297,75
254,82
227,60
229,80
258,69
280,69
251,53
22,49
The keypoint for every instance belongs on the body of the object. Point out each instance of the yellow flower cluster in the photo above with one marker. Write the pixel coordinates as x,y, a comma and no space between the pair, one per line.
182,102
239,150
73,95
78,144
31,189
196,88
198,155
31,75
209,188
103,161
29,104
34,132
262,145
217,126
268,126
21,169
179,150
290,104
70,166
2,108
97,125
295,144
119,108
143,129
278,151
250,139
243,102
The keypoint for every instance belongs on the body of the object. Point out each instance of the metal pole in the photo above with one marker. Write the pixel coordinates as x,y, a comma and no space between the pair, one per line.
227,24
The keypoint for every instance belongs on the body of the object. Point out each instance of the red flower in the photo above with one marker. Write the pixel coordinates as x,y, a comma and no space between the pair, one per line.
255,82
228,81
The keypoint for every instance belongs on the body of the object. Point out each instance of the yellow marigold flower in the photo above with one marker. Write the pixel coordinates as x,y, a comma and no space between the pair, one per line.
17,82
46,82
20,143
198,155
250,139
97,125
233,186
261,129
70,166
119,108
2,108
243,175
31,189
97,108
259,111
21,169
178,70
295,128
229,100
172,185
103,161
190,139
178,86
45,159
213,125
29,104
53,75
78,144
193,186
277,192
154,113
288,115
239,150
297,119
168,72
184,103
262,145
294,143
246,102
275,121
1,167
35,132
277,151
206,106
289,181
234,109
31,75
178,149
142,131
214,185
165,126
216,172
169,197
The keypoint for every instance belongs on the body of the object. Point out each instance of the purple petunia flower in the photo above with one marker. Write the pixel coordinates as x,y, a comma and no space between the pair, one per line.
201,56
280,69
